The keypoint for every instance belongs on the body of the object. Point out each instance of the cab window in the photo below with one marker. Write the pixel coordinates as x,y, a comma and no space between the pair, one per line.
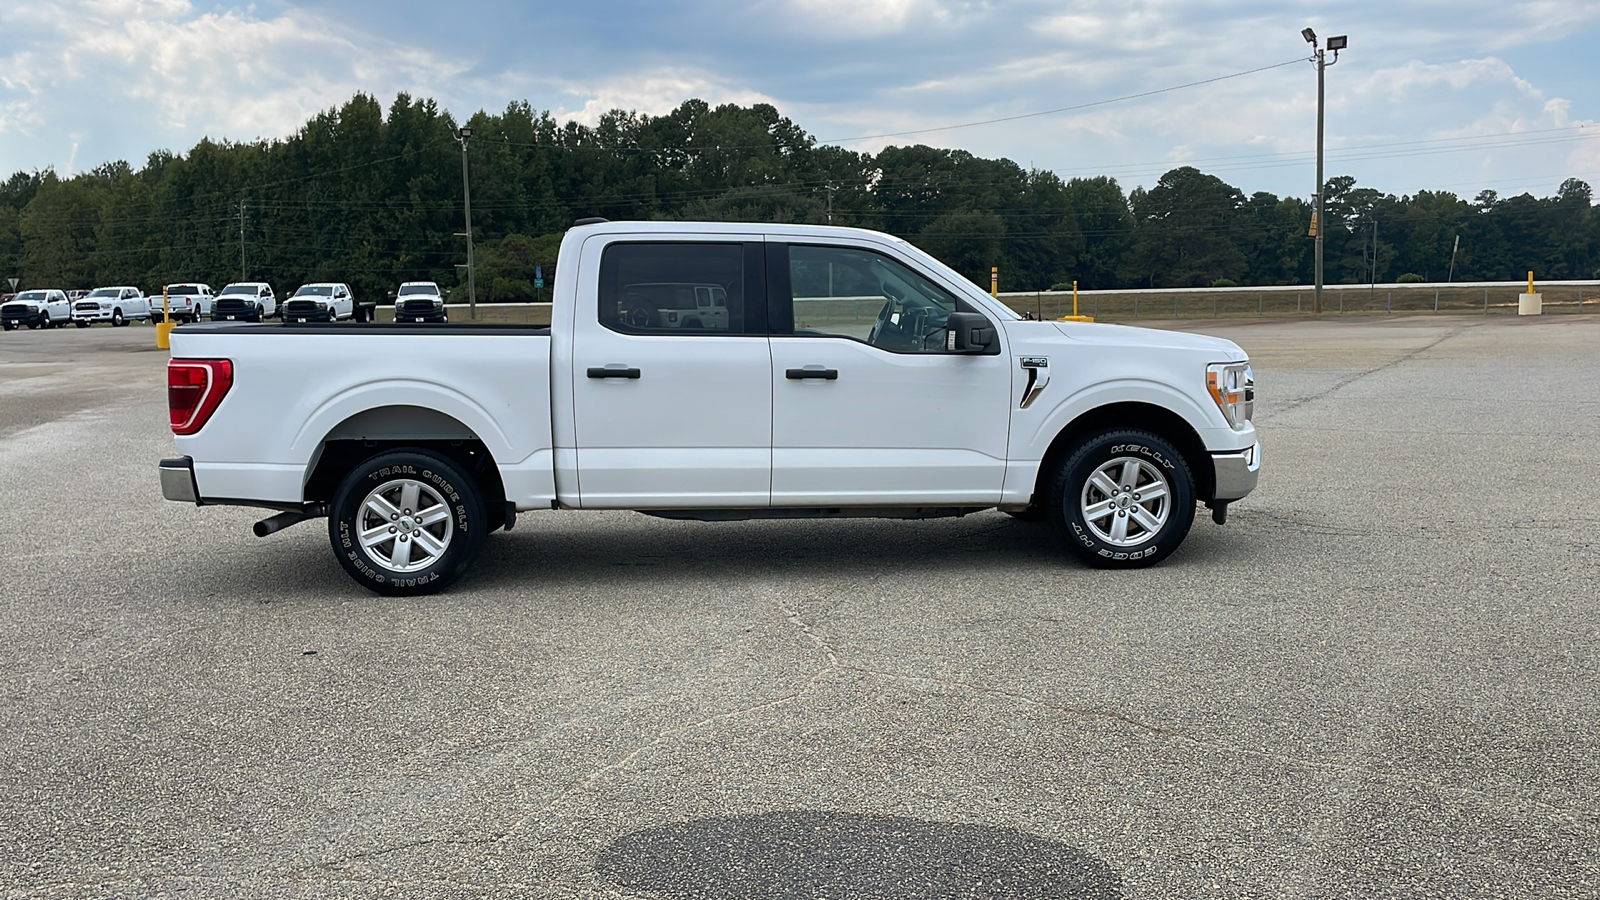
682,288
862,295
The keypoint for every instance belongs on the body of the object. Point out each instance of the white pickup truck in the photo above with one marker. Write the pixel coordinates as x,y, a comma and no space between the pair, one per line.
36,309
117,305
853,375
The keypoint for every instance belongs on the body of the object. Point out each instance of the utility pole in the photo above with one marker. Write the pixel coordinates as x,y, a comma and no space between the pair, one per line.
1372,283
462,134
1451,277
242,274
1335,44
831,188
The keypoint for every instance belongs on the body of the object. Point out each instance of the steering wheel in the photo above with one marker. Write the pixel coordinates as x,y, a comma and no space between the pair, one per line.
640,316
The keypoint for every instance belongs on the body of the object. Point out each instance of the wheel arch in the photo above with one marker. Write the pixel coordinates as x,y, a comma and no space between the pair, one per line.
1150,417
383,429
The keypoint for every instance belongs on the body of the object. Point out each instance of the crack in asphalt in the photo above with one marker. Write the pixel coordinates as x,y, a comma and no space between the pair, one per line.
1292,405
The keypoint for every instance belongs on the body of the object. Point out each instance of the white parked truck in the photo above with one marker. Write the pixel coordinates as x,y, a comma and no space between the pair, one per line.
36,309
420,301
117,305
329,301
249,301
184,302
853,375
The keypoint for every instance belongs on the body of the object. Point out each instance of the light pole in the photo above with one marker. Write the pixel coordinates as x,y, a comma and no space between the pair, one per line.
1317,224
462,134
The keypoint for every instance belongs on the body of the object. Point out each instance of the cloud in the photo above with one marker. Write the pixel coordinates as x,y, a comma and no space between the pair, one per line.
123,76
653,93
855,19
161,66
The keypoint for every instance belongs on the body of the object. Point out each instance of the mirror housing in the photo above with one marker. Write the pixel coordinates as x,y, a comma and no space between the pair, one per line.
970,333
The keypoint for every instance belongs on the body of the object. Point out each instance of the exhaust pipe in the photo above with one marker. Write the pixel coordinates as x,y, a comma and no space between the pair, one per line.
289,517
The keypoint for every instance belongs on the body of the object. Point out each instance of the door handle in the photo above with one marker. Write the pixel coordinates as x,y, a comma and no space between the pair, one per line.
612,372
810,372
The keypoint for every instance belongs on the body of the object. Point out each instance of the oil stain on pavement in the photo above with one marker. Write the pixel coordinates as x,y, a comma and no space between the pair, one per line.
815,854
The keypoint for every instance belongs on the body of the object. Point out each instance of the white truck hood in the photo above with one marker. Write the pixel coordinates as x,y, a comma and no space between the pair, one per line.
1128,336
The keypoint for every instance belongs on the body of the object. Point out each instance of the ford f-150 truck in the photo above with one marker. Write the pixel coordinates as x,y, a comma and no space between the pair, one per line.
852,375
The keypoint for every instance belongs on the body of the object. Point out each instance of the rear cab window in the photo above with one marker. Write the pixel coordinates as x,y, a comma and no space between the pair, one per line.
683,288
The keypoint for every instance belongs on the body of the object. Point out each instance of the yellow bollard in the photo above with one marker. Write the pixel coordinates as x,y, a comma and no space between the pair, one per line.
994,282
1075,317
164,327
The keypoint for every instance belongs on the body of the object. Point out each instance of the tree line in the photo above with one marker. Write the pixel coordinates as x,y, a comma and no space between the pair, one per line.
375,198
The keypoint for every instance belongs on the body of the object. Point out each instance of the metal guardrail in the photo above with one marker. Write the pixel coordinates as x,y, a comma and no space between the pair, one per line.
1486,298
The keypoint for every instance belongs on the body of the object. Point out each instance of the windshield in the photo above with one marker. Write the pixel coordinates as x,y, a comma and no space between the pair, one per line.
106,292
408,290
240,289
315,290
35,296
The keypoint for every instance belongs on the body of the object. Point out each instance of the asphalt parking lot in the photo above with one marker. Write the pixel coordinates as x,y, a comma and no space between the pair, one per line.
1380,679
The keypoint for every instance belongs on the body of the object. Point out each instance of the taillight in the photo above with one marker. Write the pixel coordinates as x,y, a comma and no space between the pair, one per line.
195,387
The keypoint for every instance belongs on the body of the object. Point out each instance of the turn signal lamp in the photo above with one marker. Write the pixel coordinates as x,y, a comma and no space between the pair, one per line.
1233,387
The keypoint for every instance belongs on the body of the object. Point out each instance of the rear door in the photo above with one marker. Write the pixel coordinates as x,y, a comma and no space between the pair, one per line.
671,412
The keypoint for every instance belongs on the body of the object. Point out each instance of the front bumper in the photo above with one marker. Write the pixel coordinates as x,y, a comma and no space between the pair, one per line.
37,317
103,316
177,480
1237,473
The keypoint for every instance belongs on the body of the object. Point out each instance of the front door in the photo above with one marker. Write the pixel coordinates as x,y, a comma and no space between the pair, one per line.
672,405
868,407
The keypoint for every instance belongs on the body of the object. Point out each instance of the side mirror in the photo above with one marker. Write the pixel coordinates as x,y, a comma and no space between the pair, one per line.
970,333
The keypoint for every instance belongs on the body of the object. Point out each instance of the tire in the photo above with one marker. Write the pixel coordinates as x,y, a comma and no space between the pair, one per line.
9,326
34,325
117,321
80,323
383,483
1112,528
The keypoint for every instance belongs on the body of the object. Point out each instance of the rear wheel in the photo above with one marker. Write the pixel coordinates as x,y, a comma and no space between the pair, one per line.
406,522
1123,499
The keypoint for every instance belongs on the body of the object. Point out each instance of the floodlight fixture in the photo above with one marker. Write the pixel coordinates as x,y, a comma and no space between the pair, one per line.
1309,35
1338,43
464,132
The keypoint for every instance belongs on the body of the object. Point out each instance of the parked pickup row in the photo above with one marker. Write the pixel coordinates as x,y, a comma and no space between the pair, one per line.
824,372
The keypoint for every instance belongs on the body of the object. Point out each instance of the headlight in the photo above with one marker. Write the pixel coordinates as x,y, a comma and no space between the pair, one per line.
1233,386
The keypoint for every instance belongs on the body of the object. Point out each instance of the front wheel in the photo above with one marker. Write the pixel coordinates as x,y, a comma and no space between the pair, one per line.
1123,499
406,523
80,323
117,321
9,326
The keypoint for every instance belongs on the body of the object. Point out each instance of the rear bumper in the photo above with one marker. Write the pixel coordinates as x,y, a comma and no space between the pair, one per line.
1237,473
177,480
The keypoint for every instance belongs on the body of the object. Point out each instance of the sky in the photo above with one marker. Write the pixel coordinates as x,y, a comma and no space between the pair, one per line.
1461,96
